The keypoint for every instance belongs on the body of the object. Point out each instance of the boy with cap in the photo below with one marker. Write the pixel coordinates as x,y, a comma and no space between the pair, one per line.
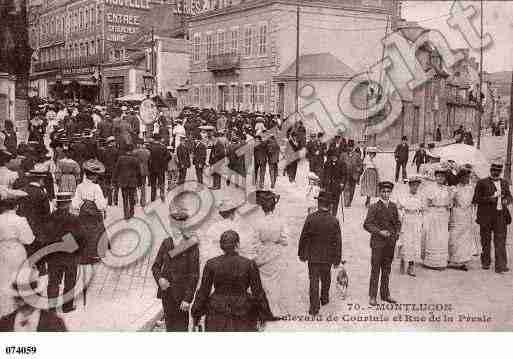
492,197
62,265
383,223
320,244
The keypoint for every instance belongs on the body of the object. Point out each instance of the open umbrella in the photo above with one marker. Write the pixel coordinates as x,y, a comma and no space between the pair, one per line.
462,154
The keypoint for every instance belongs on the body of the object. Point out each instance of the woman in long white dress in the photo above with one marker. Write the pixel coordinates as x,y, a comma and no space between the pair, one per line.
15,232
462,230
271,236
370,176
438,202
411,208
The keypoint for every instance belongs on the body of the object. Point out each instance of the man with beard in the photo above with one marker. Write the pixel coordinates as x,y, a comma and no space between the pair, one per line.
492,197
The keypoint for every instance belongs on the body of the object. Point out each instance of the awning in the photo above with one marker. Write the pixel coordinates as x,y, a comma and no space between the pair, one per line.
133,97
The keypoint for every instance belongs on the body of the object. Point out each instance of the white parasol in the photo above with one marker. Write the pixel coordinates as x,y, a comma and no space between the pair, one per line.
463,154
207,128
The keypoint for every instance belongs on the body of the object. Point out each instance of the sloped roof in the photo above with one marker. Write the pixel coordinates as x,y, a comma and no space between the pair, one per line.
323,65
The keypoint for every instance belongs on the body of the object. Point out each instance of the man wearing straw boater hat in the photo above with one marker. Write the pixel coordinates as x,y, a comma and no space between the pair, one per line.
492,197
383,223
28,317
62,265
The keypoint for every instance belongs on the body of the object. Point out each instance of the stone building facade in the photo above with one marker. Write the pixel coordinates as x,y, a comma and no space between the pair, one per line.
239,51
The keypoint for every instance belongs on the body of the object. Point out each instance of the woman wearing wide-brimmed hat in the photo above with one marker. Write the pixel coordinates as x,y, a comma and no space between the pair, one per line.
462,226
15,233
370,177
411,208
271,235
90,203
67,173
439,202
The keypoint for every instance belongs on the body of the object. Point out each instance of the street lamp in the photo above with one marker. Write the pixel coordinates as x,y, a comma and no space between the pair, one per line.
148,81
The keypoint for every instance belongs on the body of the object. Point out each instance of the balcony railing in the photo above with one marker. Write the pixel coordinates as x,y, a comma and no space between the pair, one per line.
223,62
85,61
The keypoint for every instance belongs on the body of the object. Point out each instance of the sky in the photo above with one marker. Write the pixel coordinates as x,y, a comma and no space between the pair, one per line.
497,21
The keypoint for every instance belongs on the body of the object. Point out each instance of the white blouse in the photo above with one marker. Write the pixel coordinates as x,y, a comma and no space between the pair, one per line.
15,227
90,191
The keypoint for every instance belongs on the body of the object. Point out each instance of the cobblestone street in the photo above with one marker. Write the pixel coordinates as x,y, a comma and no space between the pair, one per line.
476,300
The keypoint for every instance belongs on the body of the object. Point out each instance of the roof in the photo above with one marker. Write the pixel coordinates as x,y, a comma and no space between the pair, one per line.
318,66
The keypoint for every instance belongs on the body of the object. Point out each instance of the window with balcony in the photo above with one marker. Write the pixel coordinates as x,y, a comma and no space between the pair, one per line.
99,15
86,19
196,47
261,96
221,42
234,41
93,16
262,39
247,41
210,45
196,96
240,96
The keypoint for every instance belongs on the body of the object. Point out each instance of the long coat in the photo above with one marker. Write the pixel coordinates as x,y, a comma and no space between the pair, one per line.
182,154
127,172
486,204
321,239
231,307
218,152
182,271
159,158
333,177
199,155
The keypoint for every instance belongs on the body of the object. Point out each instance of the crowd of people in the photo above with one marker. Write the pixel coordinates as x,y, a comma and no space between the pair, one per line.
77,160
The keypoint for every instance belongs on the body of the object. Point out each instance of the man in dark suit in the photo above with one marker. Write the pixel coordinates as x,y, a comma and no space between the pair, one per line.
338,143
420,157
320,244
183,161
62,265
333,179
109,155
382,222
176,271
260,157
199,158
492,197
36,208
159,159
127,176
217,153
401,158
273,157
354,169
